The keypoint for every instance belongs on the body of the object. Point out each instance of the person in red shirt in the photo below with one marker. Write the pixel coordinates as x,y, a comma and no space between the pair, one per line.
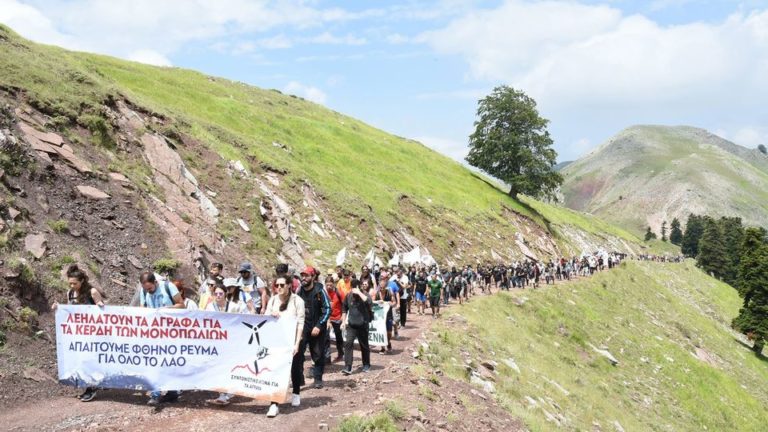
344,286
336,299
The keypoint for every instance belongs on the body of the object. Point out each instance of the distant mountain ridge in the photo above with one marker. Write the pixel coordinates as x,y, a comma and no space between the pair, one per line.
648,174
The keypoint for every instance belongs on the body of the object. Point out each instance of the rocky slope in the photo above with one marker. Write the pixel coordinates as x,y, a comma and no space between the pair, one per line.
648,174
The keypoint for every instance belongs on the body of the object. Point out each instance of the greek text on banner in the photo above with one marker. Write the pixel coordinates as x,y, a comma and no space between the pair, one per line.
175,349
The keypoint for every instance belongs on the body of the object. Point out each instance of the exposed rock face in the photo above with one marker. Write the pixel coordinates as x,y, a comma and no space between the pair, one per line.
91,192
36,244
49,143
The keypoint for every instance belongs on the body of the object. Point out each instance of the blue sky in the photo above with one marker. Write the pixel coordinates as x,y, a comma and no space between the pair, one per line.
417,69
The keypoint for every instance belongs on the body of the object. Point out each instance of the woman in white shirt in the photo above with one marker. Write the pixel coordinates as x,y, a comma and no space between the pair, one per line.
287,304
226,299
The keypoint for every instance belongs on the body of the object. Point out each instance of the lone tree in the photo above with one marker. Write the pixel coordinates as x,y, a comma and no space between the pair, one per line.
649,235
762,149
664,231
752,285
511,143
675,233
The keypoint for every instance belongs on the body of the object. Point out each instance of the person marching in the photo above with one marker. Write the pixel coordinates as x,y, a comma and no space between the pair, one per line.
317,311
287,304
81,292
154,296
358,313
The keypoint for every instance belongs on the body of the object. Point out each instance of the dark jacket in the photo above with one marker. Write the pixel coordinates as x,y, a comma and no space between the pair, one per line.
317,307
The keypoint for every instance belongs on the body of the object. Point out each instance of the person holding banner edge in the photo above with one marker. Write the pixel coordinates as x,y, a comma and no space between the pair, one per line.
287,304
81,292
155,297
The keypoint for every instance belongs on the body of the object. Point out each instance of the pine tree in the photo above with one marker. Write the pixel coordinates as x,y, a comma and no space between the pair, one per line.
733,238
675,233
694,228
649,235
664,231
712,255
752,285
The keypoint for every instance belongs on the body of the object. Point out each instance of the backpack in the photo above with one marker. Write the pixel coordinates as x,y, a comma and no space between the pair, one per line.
144,294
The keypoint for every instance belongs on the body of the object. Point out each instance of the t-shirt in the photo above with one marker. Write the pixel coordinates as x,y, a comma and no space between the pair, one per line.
160,298
434,287
336,299
190,304
231,307
344,288
404,281
421,285
392,285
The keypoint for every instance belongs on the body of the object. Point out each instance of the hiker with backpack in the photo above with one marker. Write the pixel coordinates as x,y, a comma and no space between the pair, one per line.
357,315
253,287
81,292
158,294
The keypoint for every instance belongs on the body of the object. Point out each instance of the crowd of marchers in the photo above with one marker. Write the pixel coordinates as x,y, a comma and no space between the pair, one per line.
337,301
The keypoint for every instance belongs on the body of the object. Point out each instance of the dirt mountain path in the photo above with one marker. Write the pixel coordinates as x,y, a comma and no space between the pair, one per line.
423,399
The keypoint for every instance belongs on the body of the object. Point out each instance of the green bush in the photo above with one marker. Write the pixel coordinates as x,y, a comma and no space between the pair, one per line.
99,128
166,265
378,423
59,226
27,318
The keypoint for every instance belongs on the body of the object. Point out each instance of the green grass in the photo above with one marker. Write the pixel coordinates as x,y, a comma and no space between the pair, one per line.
381,422
651,317
359,172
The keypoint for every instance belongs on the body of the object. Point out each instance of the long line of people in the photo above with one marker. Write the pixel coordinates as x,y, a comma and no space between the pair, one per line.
339,301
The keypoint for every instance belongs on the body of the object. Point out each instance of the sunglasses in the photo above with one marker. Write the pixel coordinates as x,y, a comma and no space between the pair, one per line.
219,294
280,285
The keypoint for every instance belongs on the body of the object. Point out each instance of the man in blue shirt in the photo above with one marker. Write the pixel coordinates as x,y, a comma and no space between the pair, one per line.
155,295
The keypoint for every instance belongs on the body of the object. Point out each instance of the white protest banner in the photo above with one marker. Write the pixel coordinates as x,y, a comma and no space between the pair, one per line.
377,329
175,349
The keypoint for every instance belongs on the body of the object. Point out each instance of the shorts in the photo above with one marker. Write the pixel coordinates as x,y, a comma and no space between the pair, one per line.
434,301
420,297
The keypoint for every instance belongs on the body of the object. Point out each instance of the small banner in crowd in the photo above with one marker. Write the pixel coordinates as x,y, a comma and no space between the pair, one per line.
175,349
377,329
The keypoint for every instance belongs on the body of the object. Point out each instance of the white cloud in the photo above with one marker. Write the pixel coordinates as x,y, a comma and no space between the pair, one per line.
468,94
397,39
313,94
327,38
750,136
150,57
450,147
566,54
124,28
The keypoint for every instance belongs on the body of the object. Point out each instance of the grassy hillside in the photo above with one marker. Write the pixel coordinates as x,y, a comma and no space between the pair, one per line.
648,174
654,318
360,171
369,181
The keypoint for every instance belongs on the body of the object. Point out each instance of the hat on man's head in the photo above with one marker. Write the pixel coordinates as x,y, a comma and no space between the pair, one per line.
246,267
309,270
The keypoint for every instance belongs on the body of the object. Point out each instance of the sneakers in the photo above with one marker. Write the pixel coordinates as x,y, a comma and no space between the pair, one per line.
153,401
295,400
318,383
346,371
366,368
273,410
222,400
88,395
